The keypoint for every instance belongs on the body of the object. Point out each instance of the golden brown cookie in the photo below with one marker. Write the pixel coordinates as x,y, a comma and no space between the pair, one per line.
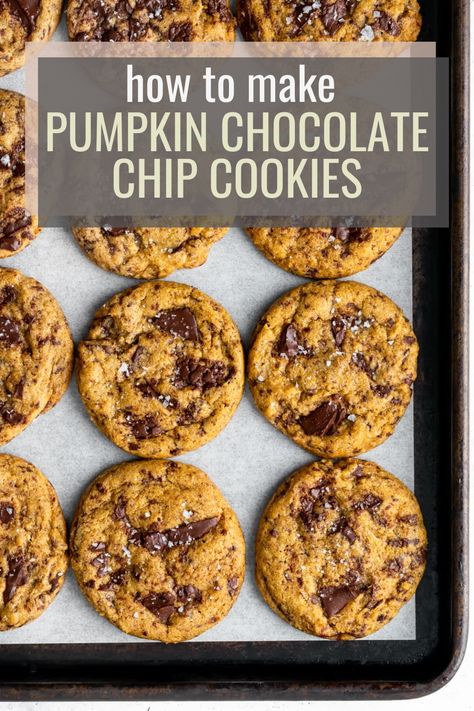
150,21
33,548
332,366
341,547
157,550
324,253
17,227
36,352
329,20
147,252
162,369
24,21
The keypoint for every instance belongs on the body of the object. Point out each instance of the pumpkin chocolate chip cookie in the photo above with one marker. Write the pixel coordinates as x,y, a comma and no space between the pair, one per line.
24,21
158,550
33,549
332,366
150,21
323,253
162,369
36,352
17,227
147,253
329,20
341,547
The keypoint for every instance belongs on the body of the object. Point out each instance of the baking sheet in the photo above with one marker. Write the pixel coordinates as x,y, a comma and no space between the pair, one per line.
247,460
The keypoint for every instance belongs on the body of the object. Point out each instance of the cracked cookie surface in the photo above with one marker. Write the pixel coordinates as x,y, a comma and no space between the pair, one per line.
36,352
332,366
147,253
157,550
329,20
24,21
33,548
150,21
17,227
341,547
162,370
323,253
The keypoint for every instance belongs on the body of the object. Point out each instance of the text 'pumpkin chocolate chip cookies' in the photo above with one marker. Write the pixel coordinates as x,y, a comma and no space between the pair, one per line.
157,550
24,21
36,352
33,549
329,20
162,369
324,253
332,366
148,252
150,21
17,227
341,547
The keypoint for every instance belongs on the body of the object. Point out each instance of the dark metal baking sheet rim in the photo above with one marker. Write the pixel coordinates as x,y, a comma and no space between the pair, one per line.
33,678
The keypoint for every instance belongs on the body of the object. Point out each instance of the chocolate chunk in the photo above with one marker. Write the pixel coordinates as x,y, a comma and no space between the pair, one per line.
381,390
143,427
12,223
287,345
338,330
54,583
302,15
159,604
325,419
402,542
101,562
334,599
7,512
411,519
322,489
333,15
186,594
7,295
17,575
26,11
200,373
180,32
233,586
342,526
360,361
189,532
179,322
219,7
115,579
387,24
369,502
154,541
9,331
349,234
394,566
409,340
108,230
9,415
97,546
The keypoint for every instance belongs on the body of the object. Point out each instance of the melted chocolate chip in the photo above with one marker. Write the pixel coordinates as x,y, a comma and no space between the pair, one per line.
360,361
143,427
333,15
159,604
115,579
180,32
387,24
369,502
12,223
187,594
325,419
7,295
200,373
342,526
189,532
179,322
7,512
9,331
101,562
334,599
287,345
411,519
349,234
17,575
26,11
338,330
9,415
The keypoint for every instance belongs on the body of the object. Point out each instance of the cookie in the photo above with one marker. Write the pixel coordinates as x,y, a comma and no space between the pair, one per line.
324,253
147,253
329,20
33,548
25,21
332,366
17,227
162,369
36,352
157,550
341,547
150,21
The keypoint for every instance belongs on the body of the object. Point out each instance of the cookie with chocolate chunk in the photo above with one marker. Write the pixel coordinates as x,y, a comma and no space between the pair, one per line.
332,366
33,548
150,21
36,352
341,547
24,21
157,550
147,252
162,369
329,20
324,253
17,227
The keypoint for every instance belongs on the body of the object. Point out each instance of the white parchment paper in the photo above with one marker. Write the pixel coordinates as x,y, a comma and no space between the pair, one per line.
247,460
